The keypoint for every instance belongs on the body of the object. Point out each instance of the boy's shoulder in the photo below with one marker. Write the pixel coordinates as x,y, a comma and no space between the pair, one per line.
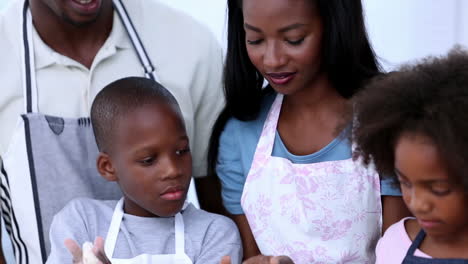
202,216
87,207
202,221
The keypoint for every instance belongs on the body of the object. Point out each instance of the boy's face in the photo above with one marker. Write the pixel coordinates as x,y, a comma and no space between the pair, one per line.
151,161
439,204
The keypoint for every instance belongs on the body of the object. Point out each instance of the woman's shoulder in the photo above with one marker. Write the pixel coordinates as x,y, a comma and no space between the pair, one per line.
255,125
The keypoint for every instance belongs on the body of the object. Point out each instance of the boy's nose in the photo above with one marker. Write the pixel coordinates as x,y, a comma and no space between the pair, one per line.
171,169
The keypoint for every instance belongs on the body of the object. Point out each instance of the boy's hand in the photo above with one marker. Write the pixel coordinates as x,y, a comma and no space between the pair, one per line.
92,254
261,259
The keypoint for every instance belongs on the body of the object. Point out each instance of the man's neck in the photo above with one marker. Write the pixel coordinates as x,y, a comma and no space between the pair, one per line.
80,43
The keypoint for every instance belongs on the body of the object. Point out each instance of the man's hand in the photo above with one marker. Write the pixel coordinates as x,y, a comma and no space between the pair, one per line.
261,259
90,254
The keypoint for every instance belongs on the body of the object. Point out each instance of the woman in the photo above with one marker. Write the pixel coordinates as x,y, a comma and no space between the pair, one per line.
282,152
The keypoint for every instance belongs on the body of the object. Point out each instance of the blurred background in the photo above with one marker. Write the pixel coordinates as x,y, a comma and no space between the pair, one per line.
400,31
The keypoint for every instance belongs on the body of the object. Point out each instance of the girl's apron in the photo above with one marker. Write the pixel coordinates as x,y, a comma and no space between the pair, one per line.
178,258
327,212
412,259
52,160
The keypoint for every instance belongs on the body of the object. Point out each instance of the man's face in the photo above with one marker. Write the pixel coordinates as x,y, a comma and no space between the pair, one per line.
76,12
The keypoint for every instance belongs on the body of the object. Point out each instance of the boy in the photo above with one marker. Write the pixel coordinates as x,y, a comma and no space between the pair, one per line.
143,147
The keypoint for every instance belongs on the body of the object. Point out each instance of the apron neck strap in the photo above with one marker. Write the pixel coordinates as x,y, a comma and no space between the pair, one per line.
267,137
416,243
136,41
179,234
113,232
29,69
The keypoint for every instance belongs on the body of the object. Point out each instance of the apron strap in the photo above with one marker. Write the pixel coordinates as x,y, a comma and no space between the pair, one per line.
416,243
136,41
267,137
179,234
113,232
29,71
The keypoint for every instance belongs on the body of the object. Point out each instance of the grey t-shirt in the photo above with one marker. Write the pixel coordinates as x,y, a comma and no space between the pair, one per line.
208,237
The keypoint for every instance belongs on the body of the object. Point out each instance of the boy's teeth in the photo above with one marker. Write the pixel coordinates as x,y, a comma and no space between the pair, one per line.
84,2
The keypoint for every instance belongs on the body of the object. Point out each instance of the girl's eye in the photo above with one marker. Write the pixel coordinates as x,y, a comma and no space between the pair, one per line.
254,42
404,183
440,189
181,152
147,161
295,42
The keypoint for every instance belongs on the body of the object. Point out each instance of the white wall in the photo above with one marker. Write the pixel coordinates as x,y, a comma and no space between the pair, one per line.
404,30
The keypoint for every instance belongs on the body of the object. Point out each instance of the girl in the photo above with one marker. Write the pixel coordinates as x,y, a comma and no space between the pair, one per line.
286,170
414,122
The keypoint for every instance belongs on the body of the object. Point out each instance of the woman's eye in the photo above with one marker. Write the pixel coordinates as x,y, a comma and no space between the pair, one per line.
254,42
295,42
147,161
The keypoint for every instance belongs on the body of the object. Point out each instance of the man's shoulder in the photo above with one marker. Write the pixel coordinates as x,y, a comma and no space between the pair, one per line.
155,13
167,28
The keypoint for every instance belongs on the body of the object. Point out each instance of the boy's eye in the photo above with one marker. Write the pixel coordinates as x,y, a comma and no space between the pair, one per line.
147,161
254,42
295,42
182,151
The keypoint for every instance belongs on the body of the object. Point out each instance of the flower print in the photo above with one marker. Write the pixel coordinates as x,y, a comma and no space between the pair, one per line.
332,231
348,257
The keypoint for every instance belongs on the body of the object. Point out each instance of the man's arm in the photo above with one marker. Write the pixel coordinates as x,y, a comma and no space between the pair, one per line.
2,176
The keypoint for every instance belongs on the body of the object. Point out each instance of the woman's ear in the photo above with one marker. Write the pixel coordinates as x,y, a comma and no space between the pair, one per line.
105,167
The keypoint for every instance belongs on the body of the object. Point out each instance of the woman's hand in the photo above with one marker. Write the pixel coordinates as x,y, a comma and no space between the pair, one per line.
90,254
261,259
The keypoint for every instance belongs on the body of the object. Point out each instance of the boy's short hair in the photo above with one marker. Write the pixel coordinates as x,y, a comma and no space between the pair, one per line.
121,97
430,98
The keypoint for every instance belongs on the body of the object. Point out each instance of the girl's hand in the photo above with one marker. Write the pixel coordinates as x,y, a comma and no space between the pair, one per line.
91,254
261,259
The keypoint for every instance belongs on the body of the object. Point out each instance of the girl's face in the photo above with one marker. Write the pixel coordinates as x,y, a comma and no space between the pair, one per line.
439,204
283,40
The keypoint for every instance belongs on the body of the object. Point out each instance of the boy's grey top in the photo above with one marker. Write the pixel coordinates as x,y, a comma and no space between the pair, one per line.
208,237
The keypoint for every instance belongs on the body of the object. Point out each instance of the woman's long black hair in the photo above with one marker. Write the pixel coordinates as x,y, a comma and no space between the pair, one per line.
348,60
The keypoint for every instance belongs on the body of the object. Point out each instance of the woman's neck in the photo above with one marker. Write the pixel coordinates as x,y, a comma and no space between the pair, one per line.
320,97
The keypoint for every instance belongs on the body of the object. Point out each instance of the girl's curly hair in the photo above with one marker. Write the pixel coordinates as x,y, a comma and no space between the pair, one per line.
430,98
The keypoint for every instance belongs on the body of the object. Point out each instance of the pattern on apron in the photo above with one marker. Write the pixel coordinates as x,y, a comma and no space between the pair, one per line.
326,212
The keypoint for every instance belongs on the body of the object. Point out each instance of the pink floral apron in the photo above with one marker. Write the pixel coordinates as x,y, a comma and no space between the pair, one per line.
326,212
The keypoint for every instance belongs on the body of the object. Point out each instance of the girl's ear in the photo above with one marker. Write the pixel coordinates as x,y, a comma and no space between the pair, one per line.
105,167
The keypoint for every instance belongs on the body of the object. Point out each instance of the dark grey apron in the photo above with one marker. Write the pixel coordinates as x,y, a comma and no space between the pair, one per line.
412,259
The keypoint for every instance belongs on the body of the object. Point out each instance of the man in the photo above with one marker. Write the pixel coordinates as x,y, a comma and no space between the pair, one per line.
55,57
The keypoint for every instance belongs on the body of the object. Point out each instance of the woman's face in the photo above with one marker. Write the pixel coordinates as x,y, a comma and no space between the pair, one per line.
283,40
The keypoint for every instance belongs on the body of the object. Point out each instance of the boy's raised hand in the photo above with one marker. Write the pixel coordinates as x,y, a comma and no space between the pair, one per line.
261,259
93,255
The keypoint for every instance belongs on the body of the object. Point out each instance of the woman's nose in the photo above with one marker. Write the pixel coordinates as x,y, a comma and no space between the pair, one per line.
273,57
